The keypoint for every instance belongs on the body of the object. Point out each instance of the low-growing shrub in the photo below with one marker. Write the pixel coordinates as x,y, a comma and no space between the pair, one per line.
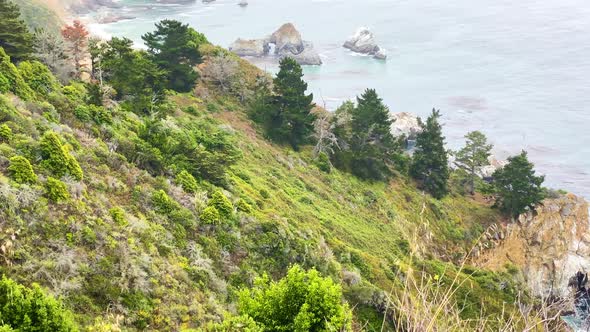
187,182
57,159
30,309
210,216
21,170
243,206
56,190
5,133
221,203
163,203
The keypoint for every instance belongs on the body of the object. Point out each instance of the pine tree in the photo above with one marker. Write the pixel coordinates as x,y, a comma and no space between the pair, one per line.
473,156
289,118
15,37
516,185
430,161
373,147
175,48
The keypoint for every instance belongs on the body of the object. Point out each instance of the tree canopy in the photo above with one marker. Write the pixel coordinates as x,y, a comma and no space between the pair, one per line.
15,37
430,161
473,156
175,48
516,185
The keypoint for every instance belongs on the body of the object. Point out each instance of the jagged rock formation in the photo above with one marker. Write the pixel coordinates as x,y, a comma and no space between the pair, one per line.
549,244
364,41
287,42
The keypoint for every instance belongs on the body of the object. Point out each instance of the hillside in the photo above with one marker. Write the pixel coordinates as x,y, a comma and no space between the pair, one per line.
155,221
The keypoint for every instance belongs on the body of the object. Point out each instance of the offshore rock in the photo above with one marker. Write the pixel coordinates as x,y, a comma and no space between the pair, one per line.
250,47
363,41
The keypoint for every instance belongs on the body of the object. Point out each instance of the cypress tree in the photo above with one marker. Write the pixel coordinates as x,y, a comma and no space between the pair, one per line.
473,156
289,118
372,146
517,187
15,37
430,161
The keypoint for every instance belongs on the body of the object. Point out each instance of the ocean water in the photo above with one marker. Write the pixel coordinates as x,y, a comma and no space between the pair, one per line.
519,71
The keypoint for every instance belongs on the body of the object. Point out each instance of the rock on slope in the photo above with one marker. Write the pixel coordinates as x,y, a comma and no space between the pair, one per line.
550,244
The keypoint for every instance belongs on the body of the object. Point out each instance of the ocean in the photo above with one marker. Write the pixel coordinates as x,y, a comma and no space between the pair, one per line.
519,71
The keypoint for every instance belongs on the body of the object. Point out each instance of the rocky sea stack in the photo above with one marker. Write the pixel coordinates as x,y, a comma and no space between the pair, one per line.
287,42
363,41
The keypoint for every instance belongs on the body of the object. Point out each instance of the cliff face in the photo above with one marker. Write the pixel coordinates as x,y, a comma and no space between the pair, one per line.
550,245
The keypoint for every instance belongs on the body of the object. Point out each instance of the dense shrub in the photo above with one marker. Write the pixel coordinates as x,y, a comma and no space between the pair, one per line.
4,84
57,159
38,77
12,75
29,309
98,114
56,190
187,182
234,323
243,206
210,216
163,203
21,170
5,133
221,203
302,301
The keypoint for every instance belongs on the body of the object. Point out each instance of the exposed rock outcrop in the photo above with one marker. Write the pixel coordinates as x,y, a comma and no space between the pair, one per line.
287,42
405,123
549,244
364,42
250,47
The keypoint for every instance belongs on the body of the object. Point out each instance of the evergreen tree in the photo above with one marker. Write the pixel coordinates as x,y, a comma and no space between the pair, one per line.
516,185
52,50
430,161
373,147
473,156
289,118
175,48
15,37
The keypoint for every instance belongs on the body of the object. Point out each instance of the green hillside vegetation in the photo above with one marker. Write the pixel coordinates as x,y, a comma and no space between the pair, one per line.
144,208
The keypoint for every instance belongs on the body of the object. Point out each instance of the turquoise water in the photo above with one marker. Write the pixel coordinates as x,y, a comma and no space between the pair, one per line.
517,70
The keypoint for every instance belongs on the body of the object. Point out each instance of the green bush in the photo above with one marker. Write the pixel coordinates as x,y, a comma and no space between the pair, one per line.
234,323
163,203
57,159
187,182
302,301
21,170
243,206
38,77
29,309
221,203
56,190
210,216
5,133
4,84
17,84
323,163
118,215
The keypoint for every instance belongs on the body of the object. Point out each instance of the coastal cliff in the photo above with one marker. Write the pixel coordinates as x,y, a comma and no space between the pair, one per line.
549,244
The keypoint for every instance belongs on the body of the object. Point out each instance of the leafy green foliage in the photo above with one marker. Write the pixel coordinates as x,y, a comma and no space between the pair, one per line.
187,182
21,170
243,206
473,156
15,37
210,216
163,203
517,186
136,78
98,114
221,203
5,133
30,310
368,149
288,117
57,158
302,301
430,161
38,77
56,190
175,48
234,323
10,73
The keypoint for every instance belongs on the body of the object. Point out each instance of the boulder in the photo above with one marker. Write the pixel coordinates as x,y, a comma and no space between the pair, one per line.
364,42
405,124
308,56
287,39
250,47
486,172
